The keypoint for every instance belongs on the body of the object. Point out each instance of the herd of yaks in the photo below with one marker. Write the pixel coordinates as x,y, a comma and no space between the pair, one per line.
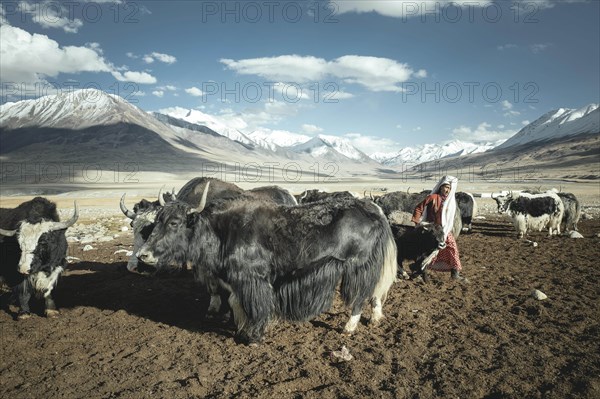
270,254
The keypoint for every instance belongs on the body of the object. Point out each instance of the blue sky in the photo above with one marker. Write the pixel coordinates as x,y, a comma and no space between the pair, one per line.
384,74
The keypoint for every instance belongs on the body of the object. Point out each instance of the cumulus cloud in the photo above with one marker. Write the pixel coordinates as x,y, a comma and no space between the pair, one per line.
50,14
290,68
337,95
29,58
135,77
508,107
403,9
3,20
483,132
311,129
194,91
265,114
508,46
166,58
430,8
158,93
371,144
374,73
539,47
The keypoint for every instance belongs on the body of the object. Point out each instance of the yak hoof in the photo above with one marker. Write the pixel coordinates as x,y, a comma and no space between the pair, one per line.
24,316
52,313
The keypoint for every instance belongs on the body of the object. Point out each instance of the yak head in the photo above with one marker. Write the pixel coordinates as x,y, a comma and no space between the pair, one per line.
167,245
42,244
435,232
503,201
143,221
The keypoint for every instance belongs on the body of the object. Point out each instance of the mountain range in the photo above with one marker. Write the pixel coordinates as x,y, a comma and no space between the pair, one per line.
93,126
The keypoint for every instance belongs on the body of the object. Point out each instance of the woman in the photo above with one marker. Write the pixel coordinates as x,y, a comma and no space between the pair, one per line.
439,207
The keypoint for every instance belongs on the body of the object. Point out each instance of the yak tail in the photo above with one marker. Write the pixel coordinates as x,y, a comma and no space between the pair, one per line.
304,297
372,279
388,270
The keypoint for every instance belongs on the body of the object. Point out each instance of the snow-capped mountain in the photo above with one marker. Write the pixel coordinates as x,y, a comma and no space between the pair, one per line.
212,122
430,152
558,123
272,139
73,110
330,147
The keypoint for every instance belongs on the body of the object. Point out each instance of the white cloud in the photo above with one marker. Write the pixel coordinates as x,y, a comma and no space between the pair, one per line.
50,14
158,93
481,133
30,58
194,91
404,9
508,46
372,144
131,55
166,58
511,113
311,129
3,20
290,92
374,73
290,68
337,95
538,48
525,122
135,77
269,113
430,8
508,107
27,58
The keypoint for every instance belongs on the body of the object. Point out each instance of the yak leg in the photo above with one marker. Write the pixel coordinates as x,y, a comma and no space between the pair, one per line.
377,310
352,323
253,303
214,305
51,310
23,294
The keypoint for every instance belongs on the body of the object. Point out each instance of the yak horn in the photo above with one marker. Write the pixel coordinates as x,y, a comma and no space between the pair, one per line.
127,212
68,223
202,203
7,233
161,200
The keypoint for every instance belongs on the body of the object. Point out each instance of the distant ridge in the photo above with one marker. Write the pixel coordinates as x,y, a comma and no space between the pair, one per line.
556,124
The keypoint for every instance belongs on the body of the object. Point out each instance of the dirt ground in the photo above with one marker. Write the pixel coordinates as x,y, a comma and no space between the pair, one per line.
122,335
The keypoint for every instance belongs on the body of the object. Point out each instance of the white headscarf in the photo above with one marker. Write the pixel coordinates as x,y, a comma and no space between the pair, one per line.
449,207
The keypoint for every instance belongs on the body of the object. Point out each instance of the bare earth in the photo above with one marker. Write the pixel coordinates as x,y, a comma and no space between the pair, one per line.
122,335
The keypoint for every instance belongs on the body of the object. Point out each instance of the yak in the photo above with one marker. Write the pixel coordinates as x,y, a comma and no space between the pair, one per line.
33,249
278,261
